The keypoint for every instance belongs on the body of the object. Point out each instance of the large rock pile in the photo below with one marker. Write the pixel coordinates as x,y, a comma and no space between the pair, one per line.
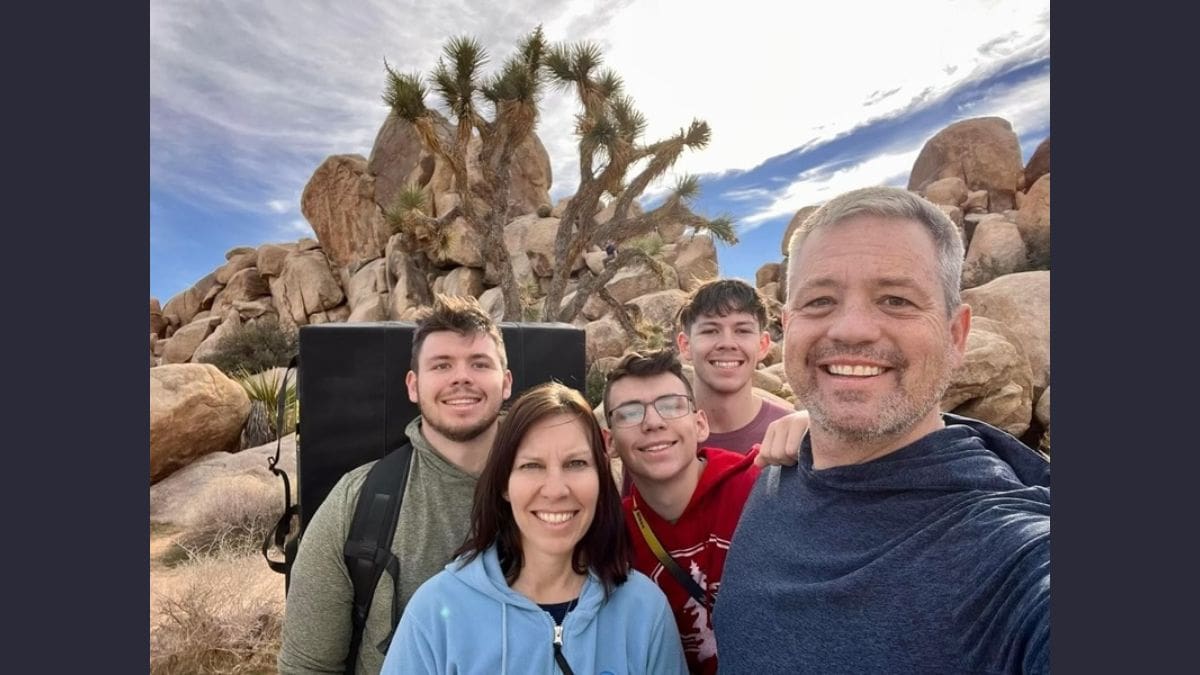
972,170
357,269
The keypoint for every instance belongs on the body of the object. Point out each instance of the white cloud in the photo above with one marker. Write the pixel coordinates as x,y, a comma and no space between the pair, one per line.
1024,105
770,76
815,186
746,194
246,99
294,229
278,206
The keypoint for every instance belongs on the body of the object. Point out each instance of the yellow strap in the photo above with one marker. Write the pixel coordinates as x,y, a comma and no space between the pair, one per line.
665,558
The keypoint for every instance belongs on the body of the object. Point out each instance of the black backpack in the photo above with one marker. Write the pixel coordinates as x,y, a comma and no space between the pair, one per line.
355,409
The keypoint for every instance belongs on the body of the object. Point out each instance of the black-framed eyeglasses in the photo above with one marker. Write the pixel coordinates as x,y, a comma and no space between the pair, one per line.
669,407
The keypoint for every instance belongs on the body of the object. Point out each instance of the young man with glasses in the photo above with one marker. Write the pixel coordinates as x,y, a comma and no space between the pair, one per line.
685,501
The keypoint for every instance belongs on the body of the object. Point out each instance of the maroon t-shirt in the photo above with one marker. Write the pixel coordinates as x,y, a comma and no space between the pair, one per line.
740,440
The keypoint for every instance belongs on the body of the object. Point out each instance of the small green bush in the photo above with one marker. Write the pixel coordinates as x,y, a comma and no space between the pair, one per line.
254,347
651,244
594,385
263,390
651,337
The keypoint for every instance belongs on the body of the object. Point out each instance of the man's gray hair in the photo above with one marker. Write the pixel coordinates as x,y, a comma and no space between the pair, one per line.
898,204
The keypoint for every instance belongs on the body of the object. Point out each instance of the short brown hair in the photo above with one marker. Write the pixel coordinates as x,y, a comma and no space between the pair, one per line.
463,316
893,204
722,297
648,364
605,547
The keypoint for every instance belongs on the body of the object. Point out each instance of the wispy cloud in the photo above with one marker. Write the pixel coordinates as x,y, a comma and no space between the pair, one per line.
247,99
747,194
1025,105
820,184
294,229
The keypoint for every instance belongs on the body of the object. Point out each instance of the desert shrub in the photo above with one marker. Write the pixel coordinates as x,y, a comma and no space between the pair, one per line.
226,617
594,386
263,388
651,244
530,301
1037,260
254,347
230,518
650,336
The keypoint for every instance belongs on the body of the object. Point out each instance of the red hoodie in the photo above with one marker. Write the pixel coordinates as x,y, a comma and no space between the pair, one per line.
698,541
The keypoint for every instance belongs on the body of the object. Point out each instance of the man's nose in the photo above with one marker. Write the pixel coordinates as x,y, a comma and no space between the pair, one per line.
854,323
462,373
652,420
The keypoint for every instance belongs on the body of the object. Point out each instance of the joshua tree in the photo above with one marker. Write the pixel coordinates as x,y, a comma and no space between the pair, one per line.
613,161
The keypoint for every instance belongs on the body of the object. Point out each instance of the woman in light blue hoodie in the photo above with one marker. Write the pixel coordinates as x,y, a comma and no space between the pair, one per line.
543,582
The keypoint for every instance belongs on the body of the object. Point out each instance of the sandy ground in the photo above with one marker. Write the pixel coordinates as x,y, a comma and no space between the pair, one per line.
163,580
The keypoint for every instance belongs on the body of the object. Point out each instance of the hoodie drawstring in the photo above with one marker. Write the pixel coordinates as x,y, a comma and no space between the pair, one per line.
504,638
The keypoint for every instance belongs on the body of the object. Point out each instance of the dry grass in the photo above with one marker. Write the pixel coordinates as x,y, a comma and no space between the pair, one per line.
216,607
232,518
225,615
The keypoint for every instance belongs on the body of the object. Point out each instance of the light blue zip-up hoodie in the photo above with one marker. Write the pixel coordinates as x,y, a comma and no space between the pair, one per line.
466,619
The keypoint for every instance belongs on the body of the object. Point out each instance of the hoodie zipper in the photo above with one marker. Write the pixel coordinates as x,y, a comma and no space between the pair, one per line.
558,655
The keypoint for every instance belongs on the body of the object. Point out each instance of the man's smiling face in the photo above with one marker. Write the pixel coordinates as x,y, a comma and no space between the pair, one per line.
868,345
655,449
459,384
724,350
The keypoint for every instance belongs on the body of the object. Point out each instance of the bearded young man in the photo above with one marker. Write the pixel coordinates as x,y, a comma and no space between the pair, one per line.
459,378
904,540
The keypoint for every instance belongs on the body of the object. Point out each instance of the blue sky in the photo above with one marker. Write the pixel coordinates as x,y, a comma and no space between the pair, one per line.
805,99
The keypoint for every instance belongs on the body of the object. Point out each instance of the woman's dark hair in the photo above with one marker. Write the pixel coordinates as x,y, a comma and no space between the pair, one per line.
605,547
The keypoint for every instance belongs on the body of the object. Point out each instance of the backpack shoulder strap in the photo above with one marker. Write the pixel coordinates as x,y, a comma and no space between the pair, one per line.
368,549
278,535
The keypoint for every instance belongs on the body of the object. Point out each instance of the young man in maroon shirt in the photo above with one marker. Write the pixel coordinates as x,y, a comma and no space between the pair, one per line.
723,336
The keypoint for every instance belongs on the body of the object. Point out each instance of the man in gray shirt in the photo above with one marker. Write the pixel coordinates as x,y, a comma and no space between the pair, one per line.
459,378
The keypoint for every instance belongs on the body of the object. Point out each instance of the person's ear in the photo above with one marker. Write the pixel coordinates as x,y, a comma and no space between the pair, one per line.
685,347
410,380
701,427
960,327
610,448
764,345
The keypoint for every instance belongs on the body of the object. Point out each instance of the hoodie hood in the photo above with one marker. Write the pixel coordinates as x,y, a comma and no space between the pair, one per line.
484,575
720,465
961,456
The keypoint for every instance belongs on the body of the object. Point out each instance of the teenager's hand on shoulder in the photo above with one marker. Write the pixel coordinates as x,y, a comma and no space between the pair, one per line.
782,440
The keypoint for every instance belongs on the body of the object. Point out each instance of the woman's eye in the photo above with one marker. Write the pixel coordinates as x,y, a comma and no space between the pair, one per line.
578,464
